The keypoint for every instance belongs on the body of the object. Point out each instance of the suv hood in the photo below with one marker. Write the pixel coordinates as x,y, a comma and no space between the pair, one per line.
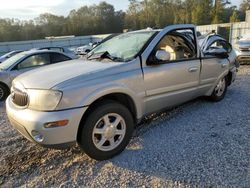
52,75
244,43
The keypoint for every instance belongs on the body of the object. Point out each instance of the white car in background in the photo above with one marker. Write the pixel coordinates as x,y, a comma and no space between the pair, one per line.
83,50
243,49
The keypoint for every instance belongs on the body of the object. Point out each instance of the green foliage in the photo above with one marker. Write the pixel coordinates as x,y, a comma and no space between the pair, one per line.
234,17
245,5
102,18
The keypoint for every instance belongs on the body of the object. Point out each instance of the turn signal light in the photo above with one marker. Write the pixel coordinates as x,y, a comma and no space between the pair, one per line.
60,123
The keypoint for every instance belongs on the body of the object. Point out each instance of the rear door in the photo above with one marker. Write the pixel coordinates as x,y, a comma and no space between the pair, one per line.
213,67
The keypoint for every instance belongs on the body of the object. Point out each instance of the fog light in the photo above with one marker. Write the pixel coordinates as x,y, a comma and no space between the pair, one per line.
37,136
54,124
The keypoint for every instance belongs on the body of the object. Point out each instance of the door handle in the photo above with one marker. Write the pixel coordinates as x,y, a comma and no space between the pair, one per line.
193,69
223,65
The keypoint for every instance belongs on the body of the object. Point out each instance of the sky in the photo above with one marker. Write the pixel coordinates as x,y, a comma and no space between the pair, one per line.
29,9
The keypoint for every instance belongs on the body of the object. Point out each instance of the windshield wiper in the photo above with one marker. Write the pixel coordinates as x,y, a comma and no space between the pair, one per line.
103,55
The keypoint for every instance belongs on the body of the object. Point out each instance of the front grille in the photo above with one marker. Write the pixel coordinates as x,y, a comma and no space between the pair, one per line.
243,58
19,98
245,49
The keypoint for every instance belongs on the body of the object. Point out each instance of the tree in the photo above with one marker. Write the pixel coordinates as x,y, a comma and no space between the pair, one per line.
234,17
132,16
245,5
102,18
201,13
218,10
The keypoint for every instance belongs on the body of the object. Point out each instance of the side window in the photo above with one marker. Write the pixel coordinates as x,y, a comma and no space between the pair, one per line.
220,44
180,44
34,60
56,58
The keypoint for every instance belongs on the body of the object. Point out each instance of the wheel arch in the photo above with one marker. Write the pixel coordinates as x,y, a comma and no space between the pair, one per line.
229,78
120,97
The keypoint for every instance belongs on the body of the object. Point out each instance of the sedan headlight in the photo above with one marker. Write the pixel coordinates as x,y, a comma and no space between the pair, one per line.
43,100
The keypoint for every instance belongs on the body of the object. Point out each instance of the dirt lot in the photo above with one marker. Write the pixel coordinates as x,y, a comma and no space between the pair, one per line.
200,144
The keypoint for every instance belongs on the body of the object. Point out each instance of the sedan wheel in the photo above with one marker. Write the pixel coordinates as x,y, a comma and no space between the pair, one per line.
4,92
106,131
1,93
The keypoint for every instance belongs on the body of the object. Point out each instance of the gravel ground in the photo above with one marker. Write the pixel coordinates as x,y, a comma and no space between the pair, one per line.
199,144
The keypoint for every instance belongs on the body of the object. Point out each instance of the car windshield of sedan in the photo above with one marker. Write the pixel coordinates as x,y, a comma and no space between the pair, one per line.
123,47
9,62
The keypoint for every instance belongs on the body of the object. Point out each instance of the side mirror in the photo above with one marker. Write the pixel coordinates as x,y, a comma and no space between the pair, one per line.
162,55
217,52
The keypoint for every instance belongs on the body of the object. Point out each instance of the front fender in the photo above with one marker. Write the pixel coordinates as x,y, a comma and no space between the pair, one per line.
85,97
114,89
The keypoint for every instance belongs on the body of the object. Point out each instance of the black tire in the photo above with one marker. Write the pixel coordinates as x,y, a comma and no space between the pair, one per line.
4,92
86,141
87,51
215,97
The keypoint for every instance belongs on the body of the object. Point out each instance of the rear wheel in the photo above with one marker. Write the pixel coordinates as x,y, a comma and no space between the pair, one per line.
219,91
4,92
106,131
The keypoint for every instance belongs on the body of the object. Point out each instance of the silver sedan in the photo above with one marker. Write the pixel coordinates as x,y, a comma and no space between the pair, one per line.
24,62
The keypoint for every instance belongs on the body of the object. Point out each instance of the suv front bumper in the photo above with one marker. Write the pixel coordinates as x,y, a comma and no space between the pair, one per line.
26,121
243,56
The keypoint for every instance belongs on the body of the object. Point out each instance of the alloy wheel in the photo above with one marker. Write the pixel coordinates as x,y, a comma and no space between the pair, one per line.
109,132
220,88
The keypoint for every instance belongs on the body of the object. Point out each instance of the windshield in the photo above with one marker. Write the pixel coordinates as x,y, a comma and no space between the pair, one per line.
125,46
9,62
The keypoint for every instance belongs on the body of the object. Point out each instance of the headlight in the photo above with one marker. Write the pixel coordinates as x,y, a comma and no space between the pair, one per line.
43,100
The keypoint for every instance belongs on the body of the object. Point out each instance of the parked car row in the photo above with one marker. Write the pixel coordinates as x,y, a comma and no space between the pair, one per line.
98,103
26,61
243,49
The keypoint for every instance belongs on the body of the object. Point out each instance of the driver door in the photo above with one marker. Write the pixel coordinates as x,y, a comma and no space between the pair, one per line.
169,83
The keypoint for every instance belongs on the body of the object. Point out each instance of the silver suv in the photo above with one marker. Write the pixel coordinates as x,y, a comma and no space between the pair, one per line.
243,49
97,102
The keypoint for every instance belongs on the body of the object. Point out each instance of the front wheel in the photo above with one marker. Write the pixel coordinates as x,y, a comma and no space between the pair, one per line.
106,131
219,91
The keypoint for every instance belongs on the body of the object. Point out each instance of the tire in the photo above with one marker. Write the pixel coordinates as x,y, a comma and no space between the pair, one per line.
219,91
4,92
107,131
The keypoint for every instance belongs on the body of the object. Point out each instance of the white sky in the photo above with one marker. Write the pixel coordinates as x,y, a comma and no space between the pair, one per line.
29,9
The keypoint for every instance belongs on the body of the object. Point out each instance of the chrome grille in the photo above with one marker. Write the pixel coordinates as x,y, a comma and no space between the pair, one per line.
19,98
244,49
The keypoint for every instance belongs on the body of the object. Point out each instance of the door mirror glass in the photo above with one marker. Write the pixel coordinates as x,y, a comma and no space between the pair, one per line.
219,52
162,55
